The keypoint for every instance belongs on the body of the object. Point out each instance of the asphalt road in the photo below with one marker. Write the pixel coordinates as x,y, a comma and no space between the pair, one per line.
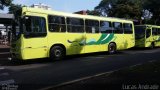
39,74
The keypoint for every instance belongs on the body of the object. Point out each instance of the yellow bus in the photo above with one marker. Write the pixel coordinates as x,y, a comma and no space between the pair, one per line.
147,36
39,33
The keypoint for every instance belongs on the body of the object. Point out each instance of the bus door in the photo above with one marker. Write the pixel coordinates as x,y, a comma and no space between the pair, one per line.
148,37
35,40
140,36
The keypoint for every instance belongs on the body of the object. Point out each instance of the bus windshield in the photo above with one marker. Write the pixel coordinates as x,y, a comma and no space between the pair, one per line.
140,32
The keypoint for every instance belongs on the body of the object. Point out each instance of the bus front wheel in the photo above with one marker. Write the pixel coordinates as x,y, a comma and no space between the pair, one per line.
112,48
56,53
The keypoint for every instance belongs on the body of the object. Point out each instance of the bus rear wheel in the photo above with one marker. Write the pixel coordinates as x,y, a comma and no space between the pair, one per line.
112,48
152,45
56,53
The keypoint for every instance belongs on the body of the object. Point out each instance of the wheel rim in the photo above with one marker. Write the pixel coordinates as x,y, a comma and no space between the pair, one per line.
112,49
152,45
58,53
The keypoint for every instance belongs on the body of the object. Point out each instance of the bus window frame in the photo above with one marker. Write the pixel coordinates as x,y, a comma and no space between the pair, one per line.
93,26
33,34
126,30
118,30
71,25
65,24
110,27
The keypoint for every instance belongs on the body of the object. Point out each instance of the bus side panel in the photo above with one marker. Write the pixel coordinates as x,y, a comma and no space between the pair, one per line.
149,41
119,40
140,42
106,38
75,43
34,48
129,41
156,40
55,38
157,44
92,43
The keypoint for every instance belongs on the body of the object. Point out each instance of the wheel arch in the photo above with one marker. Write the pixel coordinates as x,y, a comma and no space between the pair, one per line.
58,44
152,45
112,42
110,51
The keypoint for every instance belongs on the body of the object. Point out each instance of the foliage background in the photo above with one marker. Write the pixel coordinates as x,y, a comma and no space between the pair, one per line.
144,11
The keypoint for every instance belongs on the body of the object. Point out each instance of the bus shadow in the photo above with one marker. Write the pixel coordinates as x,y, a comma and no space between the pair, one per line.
142,49
67,58
7,62
96,54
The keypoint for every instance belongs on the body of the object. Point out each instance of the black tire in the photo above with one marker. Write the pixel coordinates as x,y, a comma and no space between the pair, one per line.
112,48
152,45
57,53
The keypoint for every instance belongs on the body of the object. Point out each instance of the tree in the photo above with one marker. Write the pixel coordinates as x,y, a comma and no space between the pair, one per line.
130,9
153,6
105,7
93,12
14,7
4,3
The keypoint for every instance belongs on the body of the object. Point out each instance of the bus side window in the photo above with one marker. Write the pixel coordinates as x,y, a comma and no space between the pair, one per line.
105,27
148,33
117,27
127,28
154,31
35,27
92,26
56,24
75,25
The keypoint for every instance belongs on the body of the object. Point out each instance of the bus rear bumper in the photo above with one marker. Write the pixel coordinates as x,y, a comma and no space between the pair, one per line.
15,56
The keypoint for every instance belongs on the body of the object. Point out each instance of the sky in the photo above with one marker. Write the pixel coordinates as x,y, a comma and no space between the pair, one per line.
62,5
